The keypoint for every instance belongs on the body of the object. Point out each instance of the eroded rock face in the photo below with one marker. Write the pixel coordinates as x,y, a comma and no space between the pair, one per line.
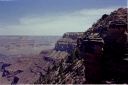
68,42
73,35
96,54
113,30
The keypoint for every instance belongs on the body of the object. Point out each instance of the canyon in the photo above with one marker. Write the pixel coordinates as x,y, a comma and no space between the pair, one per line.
98,55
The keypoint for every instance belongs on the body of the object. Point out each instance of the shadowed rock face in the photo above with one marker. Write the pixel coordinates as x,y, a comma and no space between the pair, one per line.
113,30
92,56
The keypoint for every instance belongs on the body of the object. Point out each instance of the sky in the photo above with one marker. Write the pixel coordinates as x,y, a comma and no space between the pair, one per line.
52,17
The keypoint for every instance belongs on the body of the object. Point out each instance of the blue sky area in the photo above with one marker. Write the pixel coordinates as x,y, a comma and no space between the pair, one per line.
52,17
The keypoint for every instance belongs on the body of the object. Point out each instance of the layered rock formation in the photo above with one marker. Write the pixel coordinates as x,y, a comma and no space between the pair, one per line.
68,42
99,56
63,48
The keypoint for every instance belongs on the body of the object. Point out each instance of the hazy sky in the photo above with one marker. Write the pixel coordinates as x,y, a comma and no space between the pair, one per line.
52,17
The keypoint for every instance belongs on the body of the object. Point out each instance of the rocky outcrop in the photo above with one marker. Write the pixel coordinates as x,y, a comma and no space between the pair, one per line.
68,42
73,35
104,64
99,57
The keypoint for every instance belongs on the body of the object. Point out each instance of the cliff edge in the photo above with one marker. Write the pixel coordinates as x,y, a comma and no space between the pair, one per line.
100,55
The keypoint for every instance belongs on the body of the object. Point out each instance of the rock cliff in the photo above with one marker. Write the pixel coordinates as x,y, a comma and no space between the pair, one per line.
100,55
68,42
